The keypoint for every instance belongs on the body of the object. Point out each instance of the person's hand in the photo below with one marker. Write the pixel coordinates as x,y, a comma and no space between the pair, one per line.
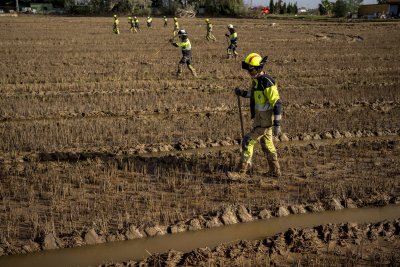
238,92
277,130
171,40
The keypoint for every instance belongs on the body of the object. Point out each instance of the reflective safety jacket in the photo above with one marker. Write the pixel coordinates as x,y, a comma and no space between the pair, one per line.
264,97
233,37
116,22
176,25
149,20
209,27
136,21
186,47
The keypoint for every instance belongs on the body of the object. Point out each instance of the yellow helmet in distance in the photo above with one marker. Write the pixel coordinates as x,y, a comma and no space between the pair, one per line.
207,20
175,19
253,60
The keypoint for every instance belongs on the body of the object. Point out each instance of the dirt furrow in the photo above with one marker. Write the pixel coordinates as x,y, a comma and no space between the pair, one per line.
289,109
194,147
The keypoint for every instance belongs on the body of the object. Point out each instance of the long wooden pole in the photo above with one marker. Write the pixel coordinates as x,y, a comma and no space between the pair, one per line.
240,115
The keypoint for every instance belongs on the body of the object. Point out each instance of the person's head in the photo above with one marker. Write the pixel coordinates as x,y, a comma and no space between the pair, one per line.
230,27
182,34
175,19
254,64
135,17
207,20
115,16
129,18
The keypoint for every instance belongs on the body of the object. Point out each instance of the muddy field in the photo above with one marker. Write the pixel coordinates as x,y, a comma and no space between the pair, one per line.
100,141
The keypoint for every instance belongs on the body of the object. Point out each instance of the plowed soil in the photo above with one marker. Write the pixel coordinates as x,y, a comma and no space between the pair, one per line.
98,135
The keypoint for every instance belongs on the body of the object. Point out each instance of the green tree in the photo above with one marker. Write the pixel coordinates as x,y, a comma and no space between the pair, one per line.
295,8
352,5
327,7
271,6
340,8
322,10
224,7
289,8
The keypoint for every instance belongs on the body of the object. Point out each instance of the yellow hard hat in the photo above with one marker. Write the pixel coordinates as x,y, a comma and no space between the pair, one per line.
115,16
230,26
175,18
129,17
253,60
207,20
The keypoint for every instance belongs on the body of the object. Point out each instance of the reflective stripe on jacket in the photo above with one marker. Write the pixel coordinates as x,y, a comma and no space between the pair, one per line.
263,95
186,47
233,37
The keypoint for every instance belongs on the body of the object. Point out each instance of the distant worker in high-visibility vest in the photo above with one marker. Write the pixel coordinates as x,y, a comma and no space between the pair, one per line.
165,21
210,35
115,25
186,47
176,27
135,24
130,21
149,22
232,39
266,113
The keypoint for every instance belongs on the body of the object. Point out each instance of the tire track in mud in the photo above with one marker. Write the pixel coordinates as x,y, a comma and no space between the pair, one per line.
291,108
191,147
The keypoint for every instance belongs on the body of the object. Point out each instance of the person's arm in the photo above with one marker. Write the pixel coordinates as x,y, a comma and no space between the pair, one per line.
272,94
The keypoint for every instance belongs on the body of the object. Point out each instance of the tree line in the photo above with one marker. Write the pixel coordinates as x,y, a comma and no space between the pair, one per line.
340,8
280,7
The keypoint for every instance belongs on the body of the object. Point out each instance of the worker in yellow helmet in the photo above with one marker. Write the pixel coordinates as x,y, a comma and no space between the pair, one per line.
232,39
210,35
135,24
149,22
266,112
176,27
165,21
186,47
115,25
131,23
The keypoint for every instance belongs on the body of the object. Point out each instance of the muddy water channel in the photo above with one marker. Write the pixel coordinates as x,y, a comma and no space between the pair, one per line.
187,241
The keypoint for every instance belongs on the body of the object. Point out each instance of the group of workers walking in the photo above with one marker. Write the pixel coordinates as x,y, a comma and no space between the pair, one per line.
265,103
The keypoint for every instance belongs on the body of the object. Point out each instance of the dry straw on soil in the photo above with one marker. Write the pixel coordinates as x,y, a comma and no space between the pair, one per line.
69,84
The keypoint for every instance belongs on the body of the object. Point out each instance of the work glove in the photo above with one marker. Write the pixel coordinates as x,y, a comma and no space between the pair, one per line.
239,92
277,128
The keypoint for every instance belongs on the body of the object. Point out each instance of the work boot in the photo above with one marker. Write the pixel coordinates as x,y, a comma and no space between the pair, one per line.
273,163
240,172
193,71
179,71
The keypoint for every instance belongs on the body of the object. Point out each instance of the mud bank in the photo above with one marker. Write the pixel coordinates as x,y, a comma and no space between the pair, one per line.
347,244
138,249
